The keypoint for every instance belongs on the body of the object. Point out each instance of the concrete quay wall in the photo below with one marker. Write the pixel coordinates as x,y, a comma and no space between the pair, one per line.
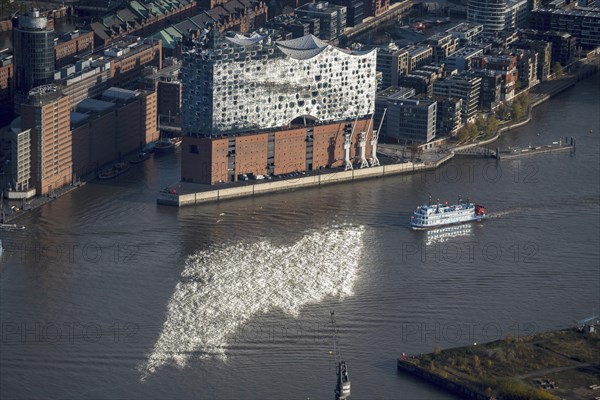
461,390
179,200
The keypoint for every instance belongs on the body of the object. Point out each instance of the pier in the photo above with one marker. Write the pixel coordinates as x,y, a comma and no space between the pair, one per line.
531,150
514,152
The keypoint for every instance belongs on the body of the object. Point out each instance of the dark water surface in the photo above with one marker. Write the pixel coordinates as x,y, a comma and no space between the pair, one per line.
98,298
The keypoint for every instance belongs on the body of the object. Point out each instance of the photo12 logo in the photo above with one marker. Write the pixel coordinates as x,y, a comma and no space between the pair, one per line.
464,332
469,252
16,333
72,252
491,172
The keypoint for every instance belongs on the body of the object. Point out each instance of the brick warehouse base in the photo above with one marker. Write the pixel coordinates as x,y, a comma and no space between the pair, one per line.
210,160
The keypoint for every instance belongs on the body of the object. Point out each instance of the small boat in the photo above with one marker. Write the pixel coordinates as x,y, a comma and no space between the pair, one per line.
167,144
116,170
434,215
11,227
143,156
176,141
1,248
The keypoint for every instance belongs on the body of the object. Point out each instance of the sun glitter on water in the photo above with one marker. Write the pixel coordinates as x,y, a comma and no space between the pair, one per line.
222,289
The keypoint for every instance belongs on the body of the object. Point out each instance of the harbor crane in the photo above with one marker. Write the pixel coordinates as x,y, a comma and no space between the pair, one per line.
347,145
362,141
374,160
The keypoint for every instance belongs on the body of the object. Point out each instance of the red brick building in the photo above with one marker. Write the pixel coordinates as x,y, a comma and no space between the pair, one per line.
307,148
118,124
47,115
70,45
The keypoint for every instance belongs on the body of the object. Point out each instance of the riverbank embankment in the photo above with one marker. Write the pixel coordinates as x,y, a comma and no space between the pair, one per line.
560,364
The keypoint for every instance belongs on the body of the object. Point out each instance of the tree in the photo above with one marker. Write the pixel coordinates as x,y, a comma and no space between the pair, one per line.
479,122
467,133
492,126
524,100
517,110
558,70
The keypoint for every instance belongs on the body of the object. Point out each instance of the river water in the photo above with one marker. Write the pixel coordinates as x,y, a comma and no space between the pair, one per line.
107,295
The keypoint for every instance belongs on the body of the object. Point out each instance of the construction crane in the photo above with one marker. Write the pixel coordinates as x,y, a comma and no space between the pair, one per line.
342,388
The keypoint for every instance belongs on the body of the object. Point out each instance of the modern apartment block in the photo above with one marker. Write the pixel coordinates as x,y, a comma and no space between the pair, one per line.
246,93
443,44
419,56
544,55
20,185
583,23
395,93
462,60
491,89
355,10
449,116
461,86
46,114
392,62
563,43
410,120
489,13
527,68
506,66
166,83
497,15
466,32
332,18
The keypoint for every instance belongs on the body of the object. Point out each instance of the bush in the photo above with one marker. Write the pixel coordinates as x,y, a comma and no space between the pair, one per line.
515,389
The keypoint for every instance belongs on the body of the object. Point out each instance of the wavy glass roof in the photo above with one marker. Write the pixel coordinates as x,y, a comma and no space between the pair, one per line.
242,40
302,48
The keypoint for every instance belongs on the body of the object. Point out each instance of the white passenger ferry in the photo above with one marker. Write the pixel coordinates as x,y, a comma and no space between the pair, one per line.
434,215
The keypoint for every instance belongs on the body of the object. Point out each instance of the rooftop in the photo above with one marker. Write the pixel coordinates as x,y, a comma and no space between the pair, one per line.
465,27
94,105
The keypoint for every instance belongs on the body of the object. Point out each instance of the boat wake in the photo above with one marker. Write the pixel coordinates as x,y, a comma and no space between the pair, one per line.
223,288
